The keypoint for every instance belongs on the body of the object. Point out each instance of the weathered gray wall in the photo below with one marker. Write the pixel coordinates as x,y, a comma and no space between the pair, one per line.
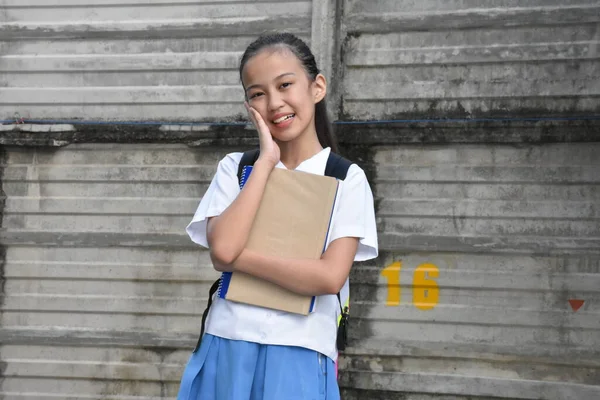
103,292
102,288
505,236
456,58
146,61
133,60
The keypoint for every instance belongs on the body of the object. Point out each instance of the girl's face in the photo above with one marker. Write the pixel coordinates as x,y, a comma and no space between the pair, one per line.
278,87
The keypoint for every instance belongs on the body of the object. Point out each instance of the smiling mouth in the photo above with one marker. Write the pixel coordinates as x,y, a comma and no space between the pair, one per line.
284,118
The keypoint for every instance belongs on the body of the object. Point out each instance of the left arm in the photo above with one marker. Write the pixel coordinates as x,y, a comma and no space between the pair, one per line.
326,275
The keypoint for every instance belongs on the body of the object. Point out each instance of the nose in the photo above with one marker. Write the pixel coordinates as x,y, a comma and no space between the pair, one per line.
275,101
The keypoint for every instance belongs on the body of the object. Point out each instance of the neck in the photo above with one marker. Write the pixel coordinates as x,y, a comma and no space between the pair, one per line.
296,151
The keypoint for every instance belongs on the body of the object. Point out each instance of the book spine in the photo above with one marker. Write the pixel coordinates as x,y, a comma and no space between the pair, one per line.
226,276
224,285
220,288
312,304
245,174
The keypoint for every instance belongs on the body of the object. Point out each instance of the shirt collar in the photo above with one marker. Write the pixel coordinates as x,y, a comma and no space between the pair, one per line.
315,164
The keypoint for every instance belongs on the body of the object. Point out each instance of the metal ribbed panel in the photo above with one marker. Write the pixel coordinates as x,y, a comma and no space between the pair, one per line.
133,60
470,58
483,248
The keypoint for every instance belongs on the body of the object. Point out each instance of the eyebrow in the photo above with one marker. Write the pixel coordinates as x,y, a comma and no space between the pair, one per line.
278,77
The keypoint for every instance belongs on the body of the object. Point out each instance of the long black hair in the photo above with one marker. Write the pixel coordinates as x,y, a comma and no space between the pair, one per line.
306,57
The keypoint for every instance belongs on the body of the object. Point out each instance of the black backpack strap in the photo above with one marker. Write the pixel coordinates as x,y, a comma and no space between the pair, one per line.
248,158
212,291
337,167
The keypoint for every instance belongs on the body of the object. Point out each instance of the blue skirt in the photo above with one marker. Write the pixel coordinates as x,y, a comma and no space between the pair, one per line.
223,369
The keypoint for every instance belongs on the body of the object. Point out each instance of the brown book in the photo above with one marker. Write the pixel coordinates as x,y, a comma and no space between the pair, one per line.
292,221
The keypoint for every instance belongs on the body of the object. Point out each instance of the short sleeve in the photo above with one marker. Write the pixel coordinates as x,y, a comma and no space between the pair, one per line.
355,214
221,192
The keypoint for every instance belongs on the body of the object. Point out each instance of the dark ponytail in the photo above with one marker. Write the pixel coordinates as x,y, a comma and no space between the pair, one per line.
303,53
323,126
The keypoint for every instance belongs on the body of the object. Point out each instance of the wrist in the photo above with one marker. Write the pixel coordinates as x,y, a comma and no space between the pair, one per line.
264,164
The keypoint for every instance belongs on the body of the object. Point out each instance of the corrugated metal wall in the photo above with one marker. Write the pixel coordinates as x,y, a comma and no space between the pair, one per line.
133,60
482,244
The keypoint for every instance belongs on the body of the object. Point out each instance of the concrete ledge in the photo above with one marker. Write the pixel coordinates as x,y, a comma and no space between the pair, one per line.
184,128
464,131
38,128
20,134
350,133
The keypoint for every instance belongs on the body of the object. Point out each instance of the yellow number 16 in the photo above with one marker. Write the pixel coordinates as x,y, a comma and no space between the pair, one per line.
425,290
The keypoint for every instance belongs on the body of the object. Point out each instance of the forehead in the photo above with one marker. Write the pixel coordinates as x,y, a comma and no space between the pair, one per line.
268,64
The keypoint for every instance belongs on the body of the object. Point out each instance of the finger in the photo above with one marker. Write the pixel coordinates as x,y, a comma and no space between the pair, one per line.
258,120
252,119
248,110
254,115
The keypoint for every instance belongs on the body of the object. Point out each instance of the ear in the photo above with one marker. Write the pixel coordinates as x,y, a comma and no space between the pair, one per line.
319,88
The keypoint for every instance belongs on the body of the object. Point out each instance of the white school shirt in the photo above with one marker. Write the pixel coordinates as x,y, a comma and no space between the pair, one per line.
354,216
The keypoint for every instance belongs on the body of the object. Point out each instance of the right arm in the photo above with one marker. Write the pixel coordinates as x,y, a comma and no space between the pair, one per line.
227,233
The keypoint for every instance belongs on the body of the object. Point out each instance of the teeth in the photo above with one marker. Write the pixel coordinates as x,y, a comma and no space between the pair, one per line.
279,120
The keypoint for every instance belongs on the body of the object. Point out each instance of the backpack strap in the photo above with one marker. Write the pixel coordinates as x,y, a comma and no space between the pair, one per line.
211,293
248,158
337,167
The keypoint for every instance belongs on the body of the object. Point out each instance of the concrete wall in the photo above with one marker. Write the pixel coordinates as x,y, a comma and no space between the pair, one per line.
146,61
447,58
482,248
487,229
103,293
133,60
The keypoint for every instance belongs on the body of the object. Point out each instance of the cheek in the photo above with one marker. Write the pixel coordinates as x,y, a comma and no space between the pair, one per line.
300,100
305,106
260,106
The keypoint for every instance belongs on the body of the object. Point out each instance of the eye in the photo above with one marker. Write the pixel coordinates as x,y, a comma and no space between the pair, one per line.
286,84
253,95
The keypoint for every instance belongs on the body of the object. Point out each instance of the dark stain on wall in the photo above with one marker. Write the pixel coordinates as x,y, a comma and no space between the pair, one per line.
350,133
3,160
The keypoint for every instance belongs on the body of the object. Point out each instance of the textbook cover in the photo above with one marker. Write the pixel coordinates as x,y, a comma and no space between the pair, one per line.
293,221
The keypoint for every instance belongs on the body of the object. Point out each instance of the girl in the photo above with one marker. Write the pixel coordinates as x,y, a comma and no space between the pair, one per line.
249,352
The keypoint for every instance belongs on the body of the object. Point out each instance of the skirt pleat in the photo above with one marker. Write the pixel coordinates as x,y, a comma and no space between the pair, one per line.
223,369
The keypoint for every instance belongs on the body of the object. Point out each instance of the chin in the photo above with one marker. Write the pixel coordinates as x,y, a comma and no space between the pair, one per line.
285,136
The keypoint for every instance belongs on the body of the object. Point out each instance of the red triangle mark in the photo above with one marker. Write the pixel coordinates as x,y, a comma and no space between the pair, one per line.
576,304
